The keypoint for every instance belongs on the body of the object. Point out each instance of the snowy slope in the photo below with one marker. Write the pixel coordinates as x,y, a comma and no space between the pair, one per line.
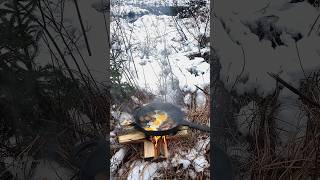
256,37
239,24
158,58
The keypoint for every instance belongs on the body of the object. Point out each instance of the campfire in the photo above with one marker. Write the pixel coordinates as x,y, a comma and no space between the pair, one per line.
154,125
154,146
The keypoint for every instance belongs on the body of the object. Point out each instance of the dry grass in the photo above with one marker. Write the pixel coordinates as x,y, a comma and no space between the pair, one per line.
298,158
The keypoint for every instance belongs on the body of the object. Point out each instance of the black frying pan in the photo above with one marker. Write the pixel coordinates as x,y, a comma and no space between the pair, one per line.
174,119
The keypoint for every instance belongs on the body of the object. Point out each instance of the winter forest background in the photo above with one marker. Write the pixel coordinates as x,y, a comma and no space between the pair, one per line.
54,85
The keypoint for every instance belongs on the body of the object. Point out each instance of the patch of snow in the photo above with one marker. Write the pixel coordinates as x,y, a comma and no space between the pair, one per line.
301,24
201,98
178,159
116,160
159,3
200,163
125,118
125,10
185,163
50,170
135,100
113,133
158,59
232,27
291,119
187,99
143,170
196,155
44,169
244,117
202,145
115,114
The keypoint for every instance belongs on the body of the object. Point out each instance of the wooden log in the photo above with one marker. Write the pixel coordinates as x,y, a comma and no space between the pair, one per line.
159,152
163,149
138,137
134,137
149,149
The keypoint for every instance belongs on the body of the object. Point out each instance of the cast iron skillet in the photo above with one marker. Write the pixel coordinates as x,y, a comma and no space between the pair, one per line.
175,119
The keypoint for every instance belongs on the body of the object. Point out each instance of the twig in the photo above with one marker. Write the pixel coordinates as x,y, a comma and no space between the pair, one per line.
82,27
294,90
313,25
304,73
202,90
51,38
243,66
265,7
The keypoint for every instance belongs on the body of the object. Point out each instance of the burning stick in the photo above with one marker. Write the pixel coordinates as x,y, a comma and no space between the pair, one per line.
165,147
160,147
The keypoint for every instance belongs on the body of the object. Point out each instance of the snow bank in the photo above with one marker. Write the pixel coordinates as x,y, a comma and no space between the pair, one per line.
158,58
159,3
256,37
237,24
200,163
127,10
196,155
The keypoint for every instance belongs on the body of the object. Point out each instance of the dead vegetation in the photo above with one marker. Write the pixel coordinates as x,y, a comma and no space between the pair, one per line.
268,157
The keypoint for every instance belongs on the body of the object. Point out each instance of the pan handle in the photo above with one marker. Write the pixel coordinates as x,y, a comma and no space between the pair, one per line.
195,126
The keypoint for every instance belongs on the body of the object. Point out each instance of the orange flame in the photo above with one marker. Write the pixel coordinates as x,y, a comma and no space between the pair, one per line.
159,118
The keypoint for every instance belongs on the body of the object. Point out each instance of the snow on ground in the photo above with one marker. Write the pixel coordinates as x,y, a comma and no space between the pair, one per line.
158,55
291,118
241,20
93,21
193,160
28,168
256,37
143,170
196,155
116,160
126,10
156,50
157,2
